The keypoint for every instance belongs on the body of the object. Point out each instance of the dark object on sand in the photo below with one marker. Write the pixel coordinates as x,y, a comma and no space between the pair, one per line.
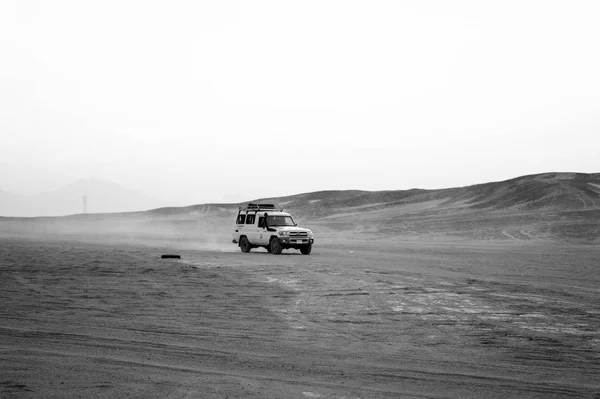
170,256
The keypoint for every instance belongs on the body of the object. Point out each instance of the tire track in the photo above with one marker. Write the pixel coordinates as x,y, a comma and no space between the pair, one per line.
510,236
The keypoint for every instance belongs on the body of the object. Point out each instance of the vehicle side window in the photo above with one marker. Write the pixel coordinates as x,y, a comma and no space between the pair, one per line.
250,219
241,219
261,221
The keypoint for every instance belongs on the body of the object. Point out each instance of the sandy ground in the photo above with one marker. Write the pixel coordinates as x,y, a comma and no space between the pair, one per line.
371,319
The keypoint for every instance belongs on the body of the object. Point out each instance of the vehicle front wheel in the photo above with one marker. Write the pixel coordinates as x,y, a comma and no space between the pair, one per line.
305,249
275,246
245,244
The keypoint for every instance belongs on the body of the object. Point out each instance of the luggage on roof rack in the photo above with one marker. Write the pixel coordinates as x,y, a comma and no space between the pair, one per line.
261,207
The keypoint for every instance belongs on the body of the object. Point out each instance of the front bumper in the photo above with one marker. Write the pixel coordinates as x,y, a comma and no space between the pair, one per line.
296,241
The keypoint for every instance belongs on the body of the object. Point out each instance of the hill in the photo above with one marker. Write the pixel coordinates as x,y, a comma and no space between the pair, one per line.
549,206
548,191
541,206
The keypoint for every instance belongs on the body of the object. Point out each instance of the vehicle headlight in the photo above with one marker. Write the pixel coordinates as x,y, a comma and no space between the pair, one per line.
284,233
310,233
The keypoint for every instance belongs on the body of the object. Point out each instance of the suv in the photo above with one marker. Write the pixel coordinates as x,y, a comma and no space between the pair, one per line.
263,225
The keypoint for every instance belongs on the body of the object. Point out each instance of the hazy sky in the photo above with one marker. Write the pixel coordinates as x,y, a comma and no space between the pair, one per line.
205,101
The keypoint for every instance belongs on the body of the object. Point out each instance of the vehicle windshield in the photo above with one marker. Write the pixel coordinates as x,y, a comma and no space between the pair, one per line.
280,221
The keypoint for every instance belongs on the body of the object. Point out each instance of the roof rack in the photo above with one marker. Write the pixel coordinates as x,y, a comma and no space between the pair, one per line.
261,207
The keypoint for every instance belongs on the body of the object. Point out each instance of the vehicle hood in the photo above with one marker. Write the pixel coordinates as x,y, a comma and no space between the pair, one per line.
290,228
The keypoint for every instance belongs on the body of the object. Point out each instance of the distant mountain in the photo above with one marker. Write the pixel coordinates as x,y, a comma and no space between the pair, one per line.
27,179
102,196
13,204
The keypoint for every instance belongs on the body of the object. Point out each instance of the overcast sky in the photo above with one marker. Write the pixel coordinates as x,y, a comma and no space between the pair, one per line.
207,101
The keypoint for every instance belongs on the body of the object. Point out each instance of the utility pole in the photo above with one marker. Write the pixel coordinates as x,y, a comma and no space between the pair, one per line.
84,203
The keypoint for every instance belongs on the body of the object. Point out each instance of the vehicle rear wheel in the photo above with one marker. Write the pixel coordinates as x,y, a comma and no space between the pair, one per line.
275,246
245,244
305,249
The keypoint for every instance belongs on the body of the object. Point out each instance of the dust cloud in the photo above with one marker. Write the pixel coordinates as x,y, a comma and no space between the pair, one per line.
211,234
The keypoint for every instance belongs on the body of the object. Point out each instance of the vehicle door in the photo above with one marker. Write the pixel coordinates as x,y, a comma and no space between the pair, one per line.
251,228
239,226
263,234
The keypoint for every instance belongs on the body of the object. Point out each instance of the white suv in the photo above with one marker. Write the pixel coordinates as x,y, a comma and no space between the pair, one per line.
264,225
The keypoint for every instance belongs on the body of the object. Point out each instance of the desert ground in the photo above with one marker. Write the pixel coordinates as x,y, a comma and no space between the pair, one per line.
426,299
377,318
